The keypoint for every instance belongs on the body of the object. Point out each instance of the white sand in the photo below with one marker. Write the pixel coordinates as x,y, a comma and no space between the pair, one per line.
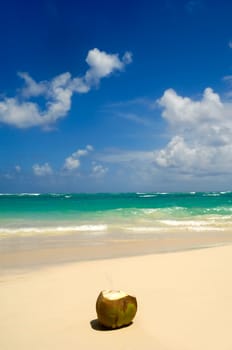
184,303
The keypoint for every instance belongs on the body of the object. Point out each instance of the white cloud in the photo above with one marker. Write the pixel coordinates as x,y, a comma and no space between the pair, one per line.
79,85
98,170
89,148
73,162
127,57
20,112
202,134
103,64
32,88
230,44
178,154
184,111
24,114
42,170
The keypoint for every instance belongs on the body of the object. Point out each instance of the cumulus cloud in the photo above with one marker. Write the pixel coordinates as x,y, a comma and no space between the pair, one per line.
24,114
103,64
21,112
32,88
181,155
42,170
73,162
98,170
201,129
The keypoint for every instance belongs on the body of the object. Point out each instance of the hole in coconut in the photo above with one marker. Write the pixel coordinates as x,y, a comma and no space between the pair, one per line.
114,294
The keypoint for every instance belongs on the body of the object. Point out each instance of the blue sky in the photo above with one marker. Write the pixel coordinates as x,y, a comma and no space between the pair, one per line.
115,96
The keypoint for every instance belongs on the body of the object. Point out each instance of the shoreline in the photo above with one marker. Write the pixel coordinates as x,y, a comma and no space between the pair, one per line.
33,252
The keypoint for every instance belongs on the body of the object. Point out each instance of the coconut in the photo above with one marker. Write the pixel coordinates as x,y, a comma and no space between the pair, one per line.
115,309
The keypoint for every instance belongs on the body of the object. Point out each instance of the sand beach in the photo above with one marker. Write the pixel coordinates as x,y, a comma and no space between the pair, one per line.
184,302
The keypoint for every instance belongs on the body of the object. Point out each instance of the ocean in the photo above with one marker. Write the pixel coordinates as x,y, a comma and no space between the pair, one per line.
123,216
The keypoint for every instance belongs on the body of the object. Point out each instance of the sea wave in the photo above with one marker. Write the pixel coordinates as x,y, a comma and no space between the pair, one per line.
209,228
216,194
176,228
20,194
28,194
54,229
144,229
187,223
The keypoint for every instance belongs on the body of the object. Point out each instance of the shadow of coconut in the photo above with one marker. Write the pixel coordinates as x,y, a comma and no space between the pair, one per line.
97,326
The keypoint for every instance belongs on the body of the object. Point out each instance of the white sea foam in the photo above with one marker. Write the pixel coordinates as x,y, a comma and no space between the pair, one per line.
209,228
221,209
147,195
211,194
27,194
144,229
54,229
186,223
56,194
149,211
20,194
161,230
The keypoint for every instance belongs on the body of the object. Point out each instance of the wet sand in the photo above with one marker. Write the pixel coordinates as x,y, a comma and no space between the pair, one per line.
30,252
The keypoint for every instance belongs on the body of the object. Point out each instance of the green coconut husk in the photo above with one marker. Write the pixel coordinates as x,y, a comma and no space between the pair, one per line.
115,309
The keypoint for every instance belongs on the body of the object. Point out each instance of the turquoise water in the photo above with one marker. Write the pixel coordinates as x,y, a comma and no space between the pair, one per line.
124,213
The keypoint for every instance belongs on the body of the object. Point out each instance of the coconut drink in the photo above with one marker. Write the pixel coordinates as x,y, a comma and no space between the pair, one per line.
115,309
